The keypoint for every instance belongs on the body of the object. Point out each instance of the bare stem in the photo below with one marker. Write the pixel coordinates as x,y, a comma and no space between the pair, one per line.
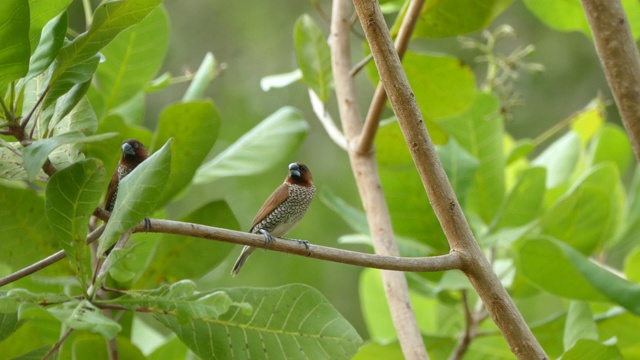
620,60
445,204
57,345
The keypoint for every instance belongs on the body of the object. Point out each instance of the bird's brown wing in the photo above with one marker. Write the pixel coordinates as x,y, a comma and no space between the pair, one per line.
276,198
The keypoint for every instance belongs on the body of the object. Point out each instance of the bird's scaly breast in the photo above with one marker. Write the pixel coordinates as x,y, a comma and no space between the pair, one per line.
284,217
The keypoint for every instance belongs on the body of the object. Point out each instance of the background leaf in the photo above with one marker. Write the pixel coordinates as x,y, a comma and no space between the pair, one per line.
14,37
201,79
271,141
457,17
314,56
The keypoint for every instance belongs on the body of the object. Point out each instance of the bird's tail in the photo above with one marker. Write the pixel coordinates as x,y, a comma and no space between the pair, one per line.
246,251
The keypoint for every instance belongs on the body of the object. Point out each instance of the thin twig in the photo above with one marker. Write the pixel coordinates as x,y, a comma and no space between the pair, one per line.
470,329
325,119
360,65
380,97
57,345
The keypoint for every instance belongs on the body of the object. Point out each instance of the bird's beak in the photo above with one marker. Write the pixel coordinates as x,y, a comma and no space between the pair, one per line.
294,169
128,149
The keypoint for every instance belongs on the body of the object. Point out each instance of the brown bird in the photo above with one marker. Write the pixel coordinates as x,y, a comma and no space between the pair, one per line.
133,153
282,210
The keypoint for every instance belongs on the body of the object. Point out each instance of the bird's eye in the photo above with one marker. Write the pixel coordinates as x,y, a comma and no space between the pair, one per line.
135,145
303,168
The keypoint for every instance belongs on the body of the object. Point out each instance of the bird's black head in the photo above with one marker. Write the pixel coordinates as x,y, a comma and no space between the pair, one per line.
133,151
299,174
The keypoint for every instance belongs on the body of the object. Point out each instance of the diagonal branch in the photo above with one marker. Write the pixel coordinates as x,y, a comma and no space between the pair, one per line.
365,172
380,97
445,204
620,60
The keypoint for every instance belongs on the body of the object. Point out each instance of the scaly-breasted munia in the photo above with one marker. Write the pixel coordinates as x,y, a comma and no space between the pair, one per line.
282,210
133,153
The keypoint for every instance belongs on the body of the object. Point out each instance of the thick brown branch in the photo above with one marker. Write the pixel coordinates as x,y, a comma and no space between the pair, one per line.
619,57
445,204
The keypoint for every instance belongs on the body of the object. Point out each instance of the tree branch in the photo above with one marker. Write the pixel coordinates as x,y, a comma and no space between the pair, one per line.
366,175
418,264
620,60
380,97
445,204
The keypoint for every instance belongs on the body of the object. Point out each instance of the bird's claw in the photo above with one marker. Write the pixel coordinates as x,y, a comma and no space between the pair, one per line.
147,224
267,238
303,242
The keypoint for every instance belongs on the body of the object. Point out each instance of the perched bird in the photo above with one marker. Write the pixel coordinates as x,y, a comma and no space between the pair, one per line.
282,210
133,153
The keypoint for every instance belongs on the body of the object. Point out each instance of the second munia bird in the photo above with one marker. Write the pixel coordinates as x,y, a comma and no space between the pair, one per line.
133,153
282,210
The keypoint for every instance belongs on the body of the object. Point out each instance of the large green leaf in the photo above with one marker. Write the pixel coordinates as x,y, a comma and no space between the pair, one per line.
314,56
460,167
35,154
411,213
561,159
293,321
557,268
611,144
71,197
479,131
580,324
25,231
138,194
432,77
270,142
132,59
194,127
592,350
75,60
180,257
568,15
41,12
86,316
47,50
14,41
524,202
623,326
590,213
457,17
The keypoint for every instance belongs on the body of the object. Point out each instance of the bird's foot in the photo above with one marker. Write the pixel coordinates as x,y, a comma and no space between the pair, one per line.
303,242
147,224
267,238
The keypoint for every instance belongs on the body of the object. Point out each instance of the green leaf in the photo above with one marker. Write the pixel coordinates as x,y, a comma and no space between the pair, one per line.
270,142
410,215
479,131
138,194
72,195
41,12
460,167
314,56
132,59
35,154
14,39
560,159
589,121
591,213
524,202
580,324
74,60
50,42
352,216
174,252
611,144
194,127
24,223
201,79
592,350
8,324
568,15
89,346
560,270
521,149
431,78
632,265
457,17
87,316
623,326
289,321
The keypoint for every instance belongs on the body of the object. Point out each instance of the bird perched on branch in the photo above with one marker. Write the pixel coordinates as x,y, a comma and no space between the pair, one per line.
133,153
282,210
